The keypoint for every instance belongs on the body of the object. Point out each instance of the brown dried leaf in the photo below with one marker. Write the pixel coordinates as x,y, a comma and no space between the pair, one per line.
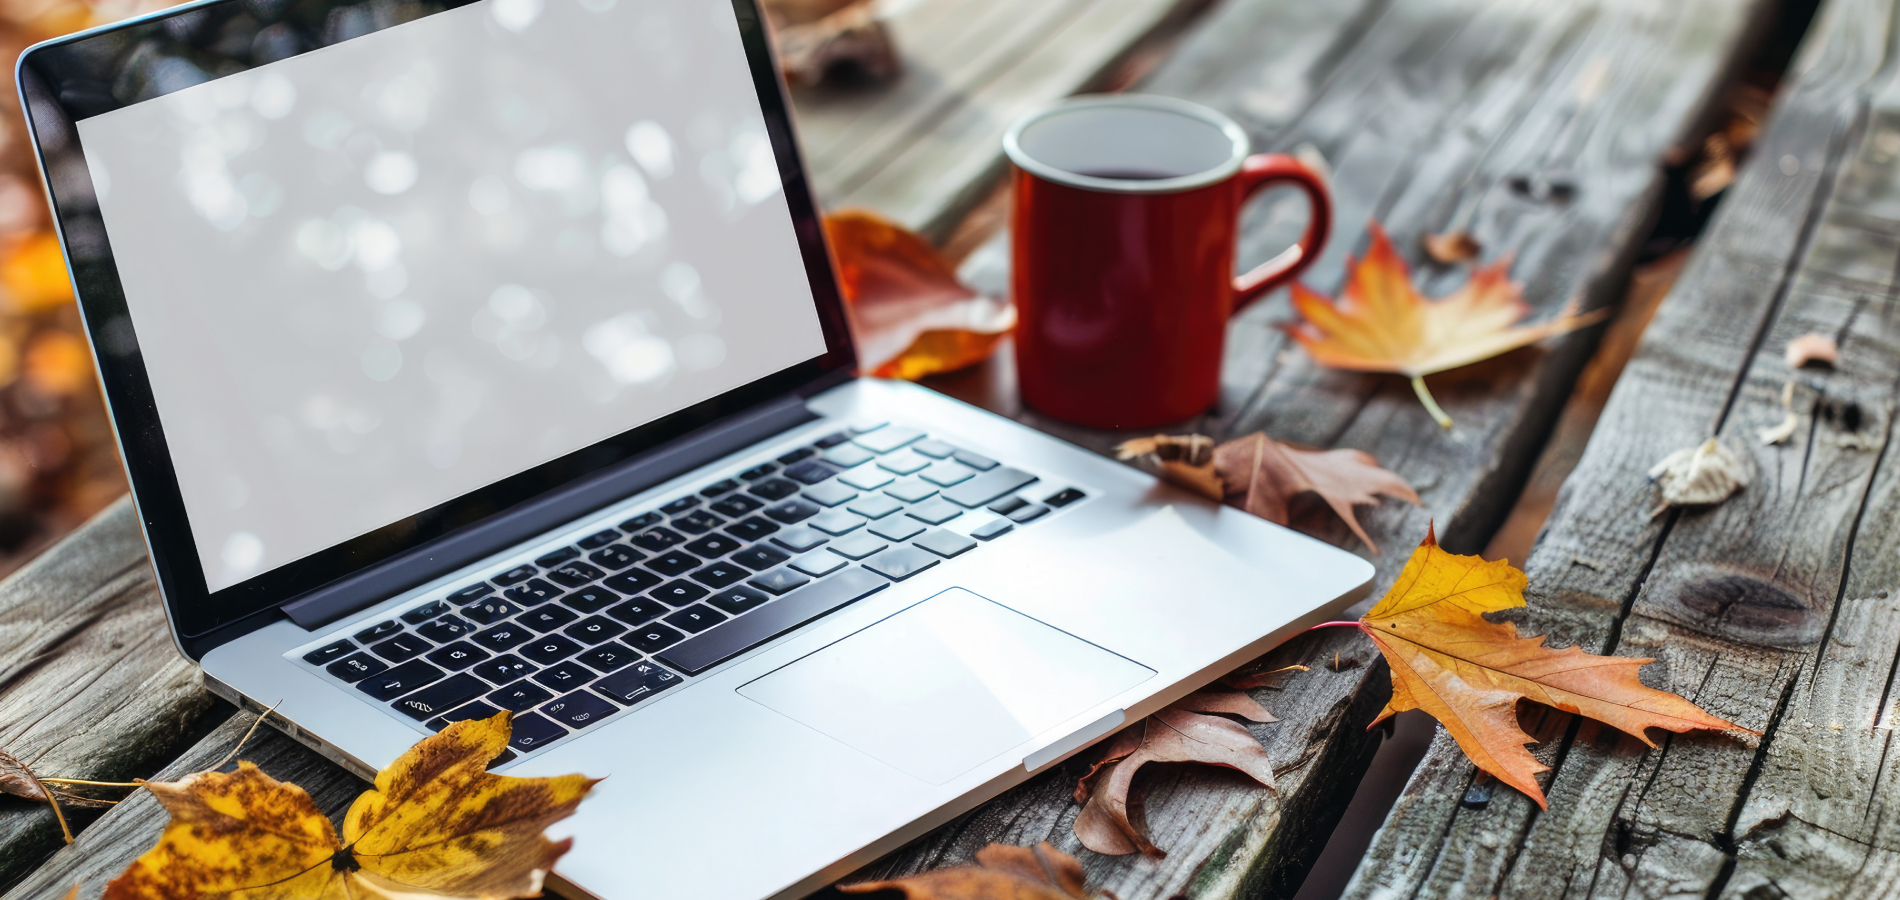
1810,349
1261,475
1452,246
1247,681
1175,734
1183,460
18,780
1232,703
1700,475
1002,872
852,36
909,313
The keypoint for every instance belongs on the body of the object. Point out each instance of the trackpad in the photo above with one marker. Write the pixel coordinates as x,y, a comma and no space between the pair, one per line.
946,684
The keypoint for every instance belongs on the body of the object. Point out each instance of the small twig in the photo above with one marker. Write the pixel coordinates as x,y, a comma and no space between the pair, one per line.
247,736
130,784
1340,624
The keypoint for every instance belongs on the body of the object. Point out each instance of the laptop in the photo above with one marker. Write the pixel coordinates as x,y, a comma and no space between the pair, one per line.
470,355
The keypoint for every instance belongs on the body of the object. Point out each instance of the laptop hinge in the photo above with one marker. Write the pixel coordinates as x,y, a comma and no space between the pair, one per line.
319,607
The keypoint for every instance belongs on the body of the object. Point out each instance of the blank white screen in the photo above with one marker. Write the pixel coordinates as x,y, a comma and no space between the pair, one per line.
380,275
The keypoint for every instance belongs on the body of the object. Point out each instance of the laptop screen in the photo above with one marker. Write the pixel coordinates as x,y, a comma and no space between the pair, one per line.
377,276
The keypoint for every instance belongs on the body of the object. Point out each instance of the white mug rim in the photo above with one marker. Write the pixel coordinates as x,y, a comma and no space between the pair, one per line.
1241,146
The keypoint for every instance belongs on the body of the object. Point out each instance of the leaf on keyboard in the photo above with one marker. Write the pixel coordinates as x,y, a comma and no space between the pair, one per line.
909,313
436,823
1002,872
1112,816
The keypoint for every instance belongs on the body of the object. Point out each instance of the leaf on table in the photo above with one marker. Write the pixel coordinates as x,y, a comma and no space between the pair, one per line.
1380,323
817,39
1452,246
1699,476
1261,475
1002,872
1180,733
34,274
1812,349
436,823
16,779
909,313
1469,673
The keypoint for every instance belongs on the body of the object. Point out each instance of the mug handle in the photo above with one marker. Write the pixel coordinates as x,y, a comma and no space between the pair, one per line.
1264,170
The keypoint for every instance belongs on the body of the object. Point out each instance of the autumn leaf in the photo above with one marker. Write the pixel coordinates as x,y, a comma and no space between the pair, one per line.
1699,476
1002,872
18,780
1262,476
1452,246
1469,673
909,313
1382,324
1180,733
436,822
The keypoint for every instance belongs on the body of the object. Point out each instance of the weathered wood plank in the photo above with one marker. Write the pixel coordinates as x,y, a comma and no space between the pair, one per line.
90,684
1741,605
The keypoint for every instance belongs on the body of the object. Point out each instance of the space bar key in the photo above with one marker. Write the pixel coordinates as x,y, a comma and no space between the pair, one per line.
771,620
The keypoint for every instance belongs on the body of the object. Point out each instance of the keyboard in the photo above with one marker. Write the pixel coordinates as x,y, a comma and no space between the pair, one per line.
593,627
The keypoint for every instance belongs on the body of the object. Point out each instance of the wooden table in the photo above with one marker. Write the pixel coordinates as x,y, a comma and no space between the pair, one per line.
1543,129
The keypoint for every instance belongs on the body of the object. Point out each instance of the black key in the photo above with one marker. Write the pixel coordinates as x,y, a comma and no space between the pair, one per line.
737,599
1029,513
792,511
490,610
608,657
378,631
574,574
599,539
329,653
861,545
1008,505
774,489
533,732
801,538
757,472
899,563
549,649
936,511
547,618
810,471
590,600
678,592
975,461
874,506
681,505
565,676
441,697
674,562
502,637
795,456
751,529
425,612
831,494
468,594
911,490
779,581
657,539
713,546
458,656
760,557
616,557
401,647
593,629
400,680
637,683
771,620
989,486
638,611
895,528
653,636
831,440
736,505
632,581
1063,497
519,697
723,486
463,713
992,530
445,629
557,557
944,543
579,709
356,668
698,522
642,522
818,563
720,574
532,592
849,455
515,575
696,618
504,669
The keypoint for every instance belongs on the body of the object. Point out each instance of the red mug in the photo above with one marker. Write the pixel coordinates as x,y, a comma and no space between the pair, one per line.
1126,216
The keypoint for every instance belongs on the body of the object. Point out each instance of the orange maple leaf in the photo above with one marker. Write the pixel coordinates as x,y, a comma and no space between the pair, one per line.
1382,324
909,313
1469,673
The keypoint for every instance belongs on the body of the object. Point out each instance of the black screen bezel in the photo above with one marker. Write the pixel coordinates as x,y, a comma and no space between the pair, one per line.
68,79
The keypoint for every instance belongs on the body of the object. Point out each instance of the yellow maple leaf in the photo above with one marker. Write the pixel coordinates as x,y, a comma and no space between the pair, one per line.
436,823
1469,673
1382,324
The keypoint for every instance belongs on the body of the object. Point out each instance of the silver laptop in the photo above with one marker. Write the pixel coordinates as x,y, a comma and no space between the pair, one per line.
470,356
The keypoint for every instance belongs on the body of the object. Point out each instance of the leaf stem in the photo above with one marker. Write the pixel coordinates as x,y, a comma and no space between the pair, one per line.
1340,624
130,784
1431,406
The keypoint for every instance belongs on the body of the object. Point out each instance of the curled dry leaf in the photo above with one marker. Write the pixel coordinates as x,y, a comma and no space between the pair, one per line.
437,823
19,781
1180,733
1382,324
1812,349
1469,673
1261,475
1452,246
818,37
1002,872
909,313
1700,475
